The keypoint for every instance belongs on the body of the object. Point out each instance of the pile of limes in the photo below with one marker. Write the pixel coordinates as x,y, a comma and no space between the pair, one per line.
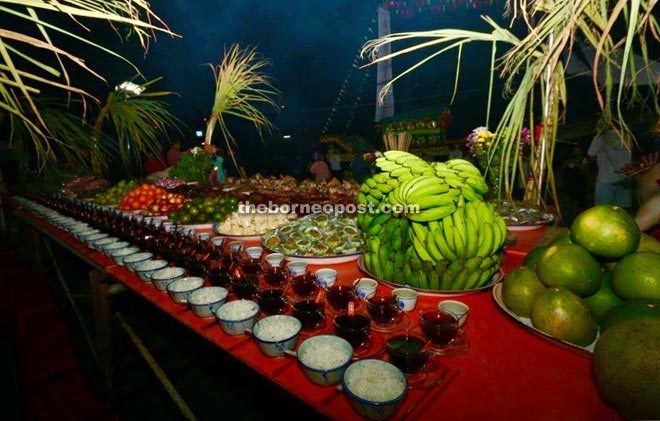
203,210
116,193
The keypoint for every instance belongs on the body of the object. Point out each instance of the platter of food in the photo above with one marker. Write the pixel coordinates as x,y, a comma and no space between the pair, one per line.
527,323
497,277
251,226
318,238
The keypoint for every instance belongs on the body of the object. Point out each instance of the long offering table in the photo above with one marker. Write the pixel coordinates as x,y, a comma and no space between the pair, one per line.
507,373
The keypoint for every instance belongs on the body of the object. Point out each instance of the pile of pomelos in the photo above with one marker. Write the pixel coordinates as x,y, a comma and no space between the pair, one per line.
603,276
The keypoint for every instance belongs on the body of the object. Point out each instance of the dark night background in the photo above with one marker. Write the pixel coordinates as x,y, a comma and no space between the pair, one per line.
312,46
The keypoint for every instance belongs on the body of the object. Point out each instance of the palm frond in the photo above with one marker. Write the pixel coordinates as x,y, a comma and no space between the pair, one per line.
240,87
31,62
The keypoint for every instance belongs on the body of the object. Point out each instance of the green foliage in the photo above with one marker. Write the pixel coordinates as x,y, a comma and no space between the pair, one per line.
195,165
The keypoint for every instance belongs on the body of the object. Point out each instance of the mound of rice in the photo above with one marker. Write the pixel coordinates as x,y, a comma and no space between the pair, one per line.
375,380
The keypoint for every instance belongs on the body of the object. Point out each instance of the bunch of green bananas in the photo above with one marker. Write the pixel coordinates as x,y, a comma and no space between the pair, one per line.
445,238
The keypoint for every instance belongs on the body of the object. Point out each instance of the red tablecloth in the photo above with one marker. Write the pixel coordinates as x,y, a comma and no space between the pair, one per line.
508,372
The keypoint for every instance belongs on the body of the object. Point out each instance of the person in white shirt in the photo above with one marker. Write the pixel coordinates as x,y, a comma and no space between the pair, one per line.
335,164
610,154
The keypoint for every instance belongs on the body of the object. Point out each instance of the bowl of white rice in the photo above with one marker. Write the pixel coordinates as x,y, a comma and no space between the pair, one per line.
205,301
182,287
119,254
375,388
276,334
324,358
131,261
145,270
164,276
235,317
115,245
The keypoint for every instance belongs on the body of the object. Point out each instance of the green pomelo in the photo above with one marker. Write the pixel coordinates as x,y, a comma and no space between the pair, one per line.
648,243
563,238
604,299
606,231
626,365
637,276
563,315
533,257
520,289
632,309
570,266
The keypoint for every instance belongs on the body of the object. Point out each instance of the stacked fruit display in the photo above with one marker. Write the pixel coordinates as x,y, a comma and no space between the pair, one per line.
115,194
440,234
141,197
602,276
204,210
164,204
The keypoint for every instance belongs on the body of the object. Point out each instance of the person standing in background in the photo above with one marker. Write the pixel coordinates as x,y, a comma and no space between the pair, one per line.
610,155
174,153
319,168
335,164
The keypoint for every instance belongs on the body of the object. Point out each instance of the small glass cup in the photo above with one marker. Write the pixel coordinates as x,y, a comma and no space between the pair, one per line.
304,285
310,313
440,327
272,300
383,308
339,295
275,276
354,328
244,286
407,351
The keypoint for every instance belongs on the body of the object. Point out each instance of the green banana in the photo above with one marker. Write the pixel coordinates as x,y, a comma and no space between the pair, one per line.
374,246
380,178
432,247
454,181
473,263
433,214
478,184
376,194
468,170
388,271
408,275
472,239
448,231
497,240
471,212
393,154
396,237
364,188
469,194
422,280
473,279
501,225
380,219
384,188
431,201
421,250
486,275
417,183
485,240
458,162
487,262
445,172
419,230
397,278
460,280
370,182
460,232
434,280
366,218
415,261
368,261
441,266
399,260
433,186
459,243
362,198
441,244
400,172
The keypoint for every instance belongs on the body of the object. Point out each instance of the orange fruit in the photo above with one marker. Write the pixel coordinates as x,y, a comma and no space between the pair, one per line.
637,276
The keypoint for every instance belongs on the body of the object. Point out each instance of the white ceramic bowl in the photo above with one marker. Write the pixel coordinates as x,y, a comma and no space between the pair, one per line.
235,317
182,287
276,334
131,261
205,301
90,240
337,353
100,244
365,381
162,277
119,254
145,269
108,248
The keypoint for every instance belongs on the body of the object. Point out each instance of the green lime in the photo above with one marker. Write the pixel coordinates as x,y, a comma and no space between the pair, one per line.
184,218
218,217
209,209
193,210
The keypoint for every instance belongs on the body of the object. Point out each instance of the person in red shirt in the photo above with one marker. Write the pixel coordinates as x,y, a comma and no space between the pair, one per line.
319,168
174,153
